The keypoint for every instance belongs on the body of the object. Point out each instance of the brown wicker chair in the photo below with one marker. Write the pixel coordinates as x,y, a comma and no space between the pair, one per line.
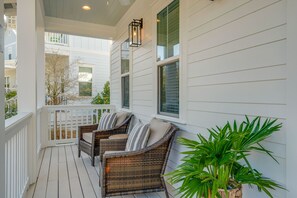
134,172
92,147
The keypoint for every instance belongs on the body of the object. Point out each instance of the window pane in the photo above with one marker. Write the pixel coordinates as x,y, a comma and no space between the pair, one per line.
168,31
85,89
85,74
169,88
162,35
125,91
125,57
173,29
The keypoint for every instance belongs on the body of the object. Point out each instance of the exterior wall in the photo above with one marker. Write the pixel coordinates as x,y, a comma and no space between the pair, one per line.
233,63
11,73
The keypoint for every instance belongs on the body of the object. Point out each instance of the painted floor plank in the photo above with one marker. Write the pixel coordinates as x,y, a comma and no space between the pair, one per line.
61,166
86,184
64,190
93,175
30,191
53,178
41,185
152,195
75,187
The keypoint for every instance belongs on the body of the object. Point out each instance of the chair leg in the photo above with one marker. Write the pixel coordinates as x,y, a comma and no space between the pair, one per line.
79,152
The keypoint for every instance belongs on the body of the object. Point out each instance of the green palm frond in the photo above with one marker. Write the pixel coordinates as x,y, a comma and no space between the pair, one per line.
213,163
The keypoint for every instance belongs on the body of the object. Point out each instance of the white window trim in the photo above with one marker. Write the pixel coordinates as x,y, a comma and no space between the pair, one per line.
124,75
157,7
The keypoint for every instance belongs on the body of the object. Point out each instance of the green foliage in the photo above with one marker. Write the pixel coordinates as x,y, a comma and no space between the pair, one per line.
104,96
11,111
10,106
220,162
10,94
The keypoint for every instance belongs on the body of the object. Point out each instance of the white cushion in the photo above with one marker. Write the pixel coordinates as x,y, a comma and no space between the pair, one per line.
88,137
107,121
118,136
138,137
133,122
121,117
158,130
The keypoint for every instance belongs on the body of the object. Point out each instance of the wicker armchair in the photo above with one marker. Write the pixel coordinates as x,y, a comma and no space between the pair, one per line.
135,171
92,147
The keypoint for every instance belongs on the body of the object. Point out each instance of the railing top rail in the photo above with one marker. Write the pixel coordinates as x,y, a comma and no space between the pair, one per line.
58,107
15,123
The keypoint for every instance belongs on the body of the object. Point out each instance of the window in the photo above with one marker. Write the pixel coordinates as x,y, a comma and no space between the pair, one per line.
125,74
168,60
85,81
7,84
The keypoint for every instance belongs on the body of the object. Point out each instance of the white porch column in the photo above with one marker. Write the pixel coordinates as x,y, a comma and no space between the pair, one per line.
26,74
40,61
291,133
2,122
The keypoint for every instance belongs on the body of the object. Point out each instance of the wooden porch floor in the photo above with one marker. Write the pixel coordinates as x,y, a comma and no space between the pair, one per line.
63,174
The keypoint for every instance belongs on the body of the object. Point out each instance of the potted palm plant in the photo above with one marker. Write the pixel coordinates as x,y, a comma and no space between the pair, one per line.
218,166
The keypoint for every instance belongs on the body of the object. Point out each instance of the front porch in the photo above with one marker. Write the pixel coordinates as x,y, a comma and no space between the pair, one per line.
231,58
63,174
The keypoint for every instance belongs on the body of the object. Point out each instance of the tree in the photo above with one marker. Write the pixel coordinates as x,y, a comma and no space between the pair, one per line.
104,96
59,80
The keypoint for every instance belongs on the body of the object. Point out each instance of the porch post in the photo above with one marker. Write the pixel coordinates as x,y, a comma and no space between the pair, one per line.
26,74
40,61
2,122
291,132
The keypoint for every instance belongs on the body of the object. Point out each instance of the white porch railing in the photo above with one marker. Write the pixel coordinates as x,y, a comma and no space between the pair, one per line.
56,38
16,155
63,121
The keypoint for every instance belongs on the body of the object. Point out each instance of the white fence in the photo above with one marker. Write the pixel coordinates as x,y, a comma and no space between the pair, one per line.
16,155
56,38
63,121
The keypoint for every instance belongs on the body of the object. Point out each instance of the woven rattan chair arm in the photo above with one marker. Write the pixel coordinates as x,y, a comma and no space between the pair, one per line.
112,145
86,129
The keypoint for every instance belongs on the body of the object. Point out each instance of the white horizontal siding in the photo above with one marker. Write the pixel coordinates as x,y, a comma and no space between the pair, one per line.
234,64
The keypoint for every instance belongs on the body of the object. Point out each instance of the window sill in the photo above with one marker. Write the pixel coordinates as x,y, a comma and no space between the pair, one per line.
126,110
170,119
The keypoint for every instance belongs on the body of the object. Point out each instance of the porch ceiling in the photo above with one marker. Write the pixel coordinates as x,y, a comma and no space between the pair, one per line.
103,12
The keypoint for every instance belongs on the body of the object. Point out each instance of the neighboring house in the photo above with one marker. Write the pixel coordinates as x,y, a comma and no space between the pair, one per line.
88,59
10,58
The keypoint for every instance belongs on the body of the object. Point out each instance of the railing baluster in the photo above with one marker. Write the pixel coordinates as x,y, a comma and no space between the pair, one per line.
65,119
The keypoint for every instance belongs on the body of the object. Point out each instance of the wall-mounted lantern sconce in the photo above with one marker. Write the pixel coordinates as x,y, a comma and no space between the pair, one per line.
134,29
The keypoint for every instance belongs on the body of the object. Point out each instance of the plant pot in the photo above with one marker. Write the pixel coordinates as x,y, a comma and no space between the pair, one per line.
234,193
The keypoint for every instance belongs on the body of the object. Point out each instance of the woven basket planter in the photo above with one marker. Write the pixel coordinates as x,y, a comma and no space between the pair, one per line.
234,193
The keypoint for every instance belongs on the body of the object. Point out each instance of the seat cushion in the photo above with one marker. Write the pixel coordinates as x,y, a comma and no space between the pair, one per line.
112,152
121,117
158,130
138,137
118,136
88,137
107,121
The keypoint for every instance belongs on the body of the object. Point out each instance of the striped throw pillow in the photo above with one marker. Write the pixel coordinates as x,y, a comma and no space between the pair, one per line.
138,137
107,121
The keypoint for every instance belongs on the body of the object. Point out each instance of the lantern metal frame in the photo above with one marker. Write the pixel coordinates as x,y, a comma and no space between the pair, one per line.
135,32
